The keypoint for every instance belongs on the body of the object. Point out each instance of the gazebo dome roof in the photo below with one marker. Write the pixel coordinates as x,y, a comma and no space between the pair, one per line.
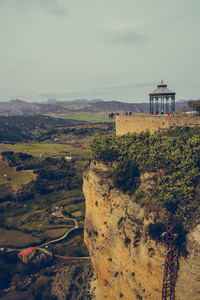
162,90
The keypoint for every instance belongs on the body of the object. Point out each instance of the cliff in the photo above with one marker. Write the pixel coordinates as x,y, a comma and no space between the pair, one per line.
126,261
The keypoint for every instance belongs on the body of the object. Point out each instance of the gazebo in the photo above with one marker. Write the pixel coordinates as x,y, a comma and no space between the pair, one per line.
163,94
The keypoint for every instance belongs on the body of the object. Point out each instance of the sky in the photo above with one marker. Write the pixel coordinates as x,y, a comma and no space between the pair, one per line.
89,49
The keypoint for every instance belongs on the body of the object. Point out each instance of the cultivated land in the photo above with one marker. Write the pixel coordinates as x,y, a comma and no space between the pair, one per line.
5,170
39,182
46,150
87,116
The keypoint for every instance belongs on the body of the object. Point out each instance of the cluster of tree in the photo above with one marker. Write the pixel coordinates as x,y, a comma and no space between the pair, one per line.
52,174
90,130
39,120
126,175
16,129
194,105
16,159
176,154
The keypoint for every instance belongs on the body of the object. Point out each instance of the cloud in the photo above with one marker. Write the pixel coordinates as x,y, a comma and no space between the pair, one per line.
59,95
126,33
56,7
131,85
53,6
130,37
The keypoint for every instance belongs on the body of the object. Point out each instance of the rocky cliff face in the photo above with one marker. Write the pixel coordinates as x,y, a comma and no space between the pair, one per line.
188,280
127,262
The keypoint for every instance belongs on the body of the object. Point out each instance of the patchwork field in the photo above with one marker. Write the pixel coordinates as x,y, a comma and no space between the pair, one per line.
87,116
22,177
44,149
29,200
5,170
14,238
55,233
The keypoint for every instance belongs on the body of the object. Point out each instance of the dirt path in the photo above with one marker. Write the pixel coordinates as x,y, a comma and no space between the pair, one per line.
76,223
61,238
40,248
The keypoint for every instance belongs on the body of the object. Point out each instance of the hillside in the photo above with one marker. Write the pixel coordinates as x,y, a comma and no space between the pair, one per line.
19,107
41,162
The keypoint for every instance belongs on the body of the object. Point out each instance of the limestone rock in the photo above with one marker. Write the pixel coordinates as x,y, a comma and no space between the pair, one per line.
126,261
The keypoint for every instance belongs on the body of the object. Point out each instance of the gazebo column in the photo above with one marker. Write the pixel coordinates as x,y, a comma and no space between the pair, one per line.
162,105
167,104
173,104
151,105
156,105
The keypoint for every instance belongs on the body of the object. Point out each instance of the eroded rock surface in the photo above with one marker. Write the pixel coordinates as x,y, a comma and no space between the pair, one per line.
126,261
188,280
76,281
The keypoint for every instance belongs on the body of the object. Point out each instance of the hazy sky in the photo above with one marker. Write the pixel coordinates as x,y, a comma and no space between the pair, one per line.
108,49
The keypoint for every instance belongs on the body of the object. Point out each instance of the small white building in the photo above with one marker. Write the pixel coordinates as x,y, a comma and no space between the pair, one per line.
57,214
68,157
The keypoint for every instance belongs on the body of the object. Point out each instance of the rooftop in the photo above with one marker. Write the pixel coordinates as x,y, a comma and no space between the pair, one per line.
27,251
162,90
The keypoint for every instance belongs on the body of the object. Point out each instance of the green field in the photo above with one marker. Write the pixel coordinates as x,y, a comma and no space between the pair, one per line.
45,149
20,178
87,116
5,171
26,212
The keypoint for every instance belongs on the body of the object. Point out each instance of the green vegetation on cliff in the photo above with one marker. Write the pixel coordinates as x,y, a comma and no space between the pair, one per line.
174,159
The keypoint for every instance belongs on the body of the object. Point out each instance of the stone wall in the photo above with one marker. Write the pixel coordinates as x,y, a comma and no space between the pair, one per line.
141,122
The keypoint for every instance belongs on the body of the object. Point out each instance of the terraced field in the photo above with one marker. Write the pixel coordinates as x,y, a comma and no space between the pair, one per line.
45,150
5,171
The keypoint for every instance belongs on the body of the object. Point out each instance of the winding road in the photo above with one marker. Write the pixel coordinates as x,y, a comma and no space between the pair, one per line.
40,248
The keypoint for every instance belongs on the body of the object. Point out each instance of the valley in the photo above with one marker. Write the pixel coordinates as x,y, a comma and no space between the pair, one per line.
105,240
41,201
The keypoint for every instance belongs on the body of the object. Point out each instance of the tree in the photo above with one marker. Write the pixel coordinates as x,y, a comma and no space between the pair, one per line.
194,105
126,175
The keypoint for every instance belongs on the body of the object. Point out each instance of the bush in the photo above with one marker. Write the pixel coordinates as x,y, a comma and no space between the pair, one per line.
126,175
139,194
155,230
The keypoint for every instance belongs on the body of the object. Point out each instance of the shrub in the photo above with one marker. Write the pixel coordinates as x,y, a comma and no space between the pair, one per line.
139,194
126,175
155,230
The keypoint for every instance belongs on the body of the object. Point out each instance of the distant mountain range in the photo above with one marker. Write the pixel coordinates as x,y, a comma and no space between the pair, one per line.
53,106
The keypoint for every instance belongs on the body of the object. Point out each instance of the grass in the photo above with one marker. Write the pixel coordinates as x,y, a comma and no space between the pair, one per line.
31,221
15,238
44,149
22,177
72,246
36,214
88,116
65,198
5,169
54,233
16,179
77,214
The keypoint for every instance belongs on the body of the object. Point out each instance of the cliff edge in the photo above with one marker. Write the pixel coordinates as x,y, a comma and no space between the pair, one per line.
126,260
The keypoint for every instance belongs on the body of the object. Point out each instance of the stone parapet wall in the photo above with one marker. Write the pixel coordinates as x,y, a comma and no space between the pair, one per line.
137,123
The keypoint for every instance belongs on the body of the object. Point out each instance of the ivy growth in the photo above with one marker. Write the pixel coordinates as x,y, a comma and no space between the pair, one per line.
175,153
